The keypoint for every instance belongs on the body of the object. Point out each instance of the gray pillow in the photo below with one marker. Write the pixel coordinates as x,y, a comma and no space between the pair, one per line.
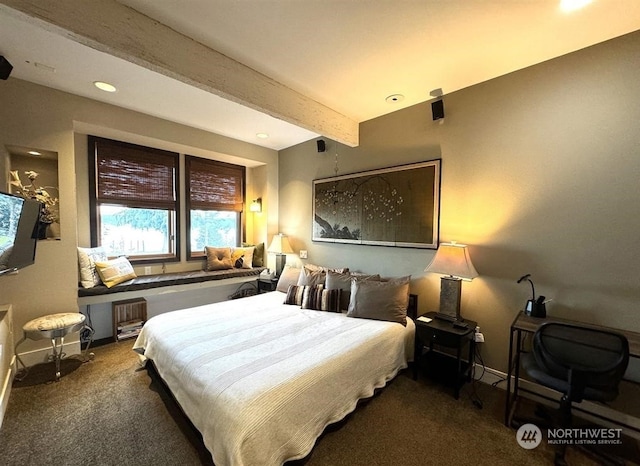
342,281
380,300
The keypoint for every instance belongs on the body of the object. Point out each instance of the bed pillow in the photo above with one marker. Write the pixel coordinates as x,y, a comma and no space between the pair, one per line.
258,253
242,258
315,268
218,258
311,277
294,295
342,281
87,258
380,300
289,276
320,299
115,271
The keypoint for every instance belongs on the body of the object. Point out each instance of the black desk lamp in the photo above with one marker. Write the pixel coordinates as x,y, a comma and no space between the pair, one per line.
453,260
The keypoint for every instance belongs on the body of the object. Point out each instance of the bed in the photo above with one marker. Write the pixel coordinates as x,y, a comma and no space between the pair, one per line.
261,379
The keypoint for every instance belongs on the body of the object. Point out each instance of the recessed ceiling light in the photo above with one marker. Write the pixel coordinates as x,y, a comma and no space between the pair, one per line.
571,5
394,98
104,86
34,152
262,135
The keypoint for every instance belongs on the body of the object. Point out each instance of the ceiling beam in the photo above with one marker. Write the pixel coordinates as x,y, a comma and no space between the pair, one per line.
120,31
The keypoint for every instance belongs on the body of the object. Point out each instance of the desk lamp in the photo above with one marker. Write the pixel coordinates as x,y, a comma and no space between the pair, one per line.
281,247
453,260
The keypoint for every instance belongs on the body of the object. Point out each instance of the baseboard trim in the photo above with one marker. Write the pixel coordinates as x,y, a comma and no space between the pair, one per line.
38,356
592,412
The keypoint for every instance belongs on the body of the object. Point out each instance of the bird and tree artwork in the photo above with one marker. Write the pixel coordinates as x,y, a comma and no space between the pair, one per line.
396,206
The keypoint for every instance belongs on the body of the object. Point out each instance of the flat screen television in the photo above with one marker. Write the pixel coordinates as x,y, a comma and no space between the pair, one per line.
19,220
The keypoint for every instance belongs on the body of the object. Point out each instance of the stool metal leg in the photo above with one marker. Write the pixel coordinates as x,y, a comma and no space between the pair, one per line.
57,345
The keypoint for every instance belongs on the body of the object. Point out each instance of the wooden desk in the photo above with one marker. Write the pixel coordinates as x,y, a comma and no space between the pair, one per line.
524,324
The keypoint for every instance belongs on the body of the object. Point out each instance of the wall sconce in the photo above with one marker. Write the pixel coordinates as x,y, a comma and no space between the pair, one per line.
453,260
281,247
256,205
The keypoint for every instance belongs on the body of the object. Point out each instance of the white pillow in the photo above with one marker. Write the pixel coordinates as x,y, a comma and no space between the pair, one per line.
87,258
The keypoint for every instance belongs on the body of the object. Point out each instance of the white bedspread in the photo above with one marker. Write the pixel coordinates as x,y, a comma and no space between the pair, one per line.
261,380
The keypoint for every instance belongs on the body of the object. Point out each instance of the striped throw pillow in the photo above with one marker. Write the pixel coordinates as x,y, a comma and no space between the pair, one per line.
319,299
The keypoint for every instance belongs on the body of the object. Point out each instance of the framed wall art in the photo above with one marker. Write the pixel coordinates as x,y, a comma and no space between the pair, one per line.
397,206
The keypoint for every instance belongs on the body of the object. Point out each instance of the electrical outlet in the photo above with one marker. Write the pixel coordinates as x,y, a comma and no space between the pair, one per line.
479,337
303,253
147,270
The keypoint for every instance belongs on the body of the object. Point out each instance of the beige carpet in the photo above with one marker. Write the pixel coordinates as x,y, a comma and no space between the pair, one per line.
109,411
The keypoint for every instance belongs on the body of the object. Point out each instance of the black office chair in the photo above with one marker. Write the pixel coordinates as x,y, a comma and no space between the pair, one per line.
580,362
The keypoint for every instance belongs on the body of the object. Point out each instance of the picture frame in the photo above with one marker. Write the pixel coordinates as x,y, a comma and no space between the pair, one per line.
397,206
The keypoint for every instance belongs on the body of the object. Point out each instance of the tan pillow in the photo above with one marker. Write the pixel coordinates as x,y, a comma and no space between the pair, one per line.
311,277
289,276
218,258
115,271
380,300
242,258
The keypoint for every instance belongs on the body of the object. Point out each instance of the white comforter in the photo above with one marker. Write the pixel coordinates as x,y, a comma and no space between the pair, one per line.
261,380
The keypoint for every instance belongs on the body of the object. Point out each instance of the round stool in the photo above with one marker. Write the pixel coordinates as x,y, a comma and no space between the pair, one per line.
54,327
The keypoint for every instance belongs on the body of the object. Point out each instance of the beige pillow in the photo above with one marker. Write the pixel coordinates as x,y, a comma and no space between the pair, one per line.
242,258
218,258
289,276
311,277
380,300
115,271
87,258
342,281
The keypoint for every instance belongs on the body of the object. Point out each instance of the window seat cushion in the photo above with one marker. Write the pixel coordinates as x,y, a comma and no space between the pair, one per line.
146,282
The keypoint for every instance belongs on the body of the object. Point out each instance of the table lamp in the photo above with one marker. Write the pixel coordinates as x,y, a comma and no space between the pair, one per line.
453,260
280,246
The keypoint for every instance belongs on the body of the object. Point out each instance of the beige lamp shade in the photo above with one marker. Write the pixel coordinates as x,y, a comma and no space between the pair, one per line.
453,259
280,245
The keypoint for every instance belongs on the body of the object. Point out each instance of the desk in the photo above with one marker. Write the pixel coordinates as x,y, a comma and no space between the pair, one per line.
524,324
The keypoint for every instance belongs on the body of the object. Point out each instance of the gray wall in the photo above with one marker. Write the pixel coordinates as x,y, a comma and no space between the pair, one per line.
540,175
38,117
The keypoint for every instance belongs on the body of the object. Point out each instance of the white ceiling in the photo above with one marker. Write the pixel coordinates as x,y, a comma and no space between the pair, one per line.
346,54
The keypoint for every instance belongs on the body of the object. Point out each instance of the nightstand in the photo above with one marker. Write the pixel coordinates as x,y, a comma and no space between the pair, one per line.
267,284
438,336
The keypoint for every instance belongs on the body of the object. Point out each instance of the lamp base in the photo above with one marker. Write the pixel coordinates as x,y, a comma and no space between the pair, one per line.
281,260
450,293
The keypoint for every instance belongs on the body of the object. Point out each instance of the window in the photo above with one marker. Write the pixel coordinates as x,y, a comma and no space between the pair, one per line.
134,200
214,204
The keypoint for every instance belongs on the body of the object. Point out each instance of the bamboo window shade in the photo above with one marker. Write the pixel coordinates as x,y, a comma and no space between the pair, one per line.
134,175
214,185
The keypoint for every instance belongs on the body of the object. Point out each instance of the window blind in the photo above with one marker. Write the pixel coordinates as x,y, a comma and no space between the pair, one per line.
135,176
213,185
